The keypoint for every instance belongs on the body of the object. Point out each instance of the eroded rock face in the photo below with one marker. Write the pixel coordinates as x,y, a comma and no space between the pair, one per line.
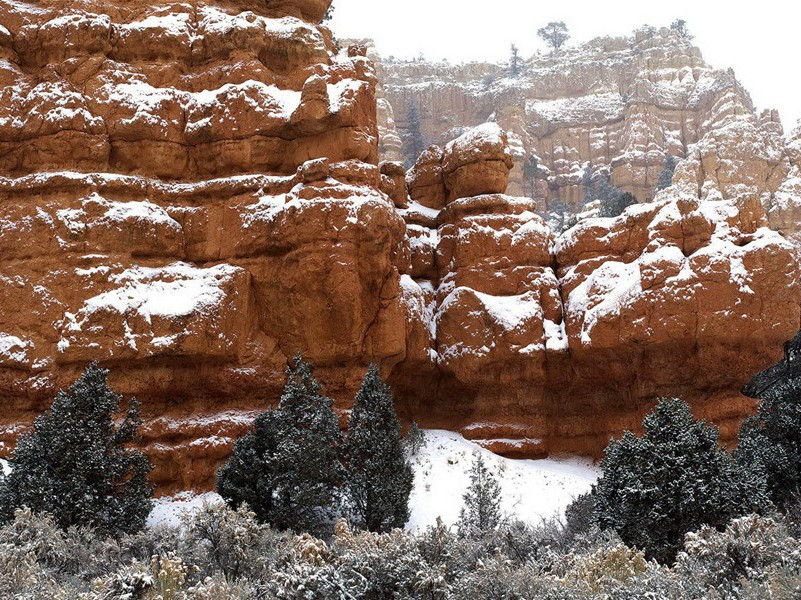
543,344
616,104
190,194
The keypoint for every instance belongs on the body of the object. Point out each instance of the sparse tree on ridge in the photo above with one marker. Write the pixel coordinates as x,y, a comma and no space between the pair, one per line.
668,170
329,14
481,512
74,463
555,34
378,476
514,61
680,27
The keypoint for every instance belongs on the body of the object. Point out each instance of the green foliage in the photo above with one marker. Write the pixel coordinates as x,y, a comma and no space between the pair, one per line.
770,441
666,176
679,26
481,512
514,61
414,142
287,469
378,475
672,480
75,464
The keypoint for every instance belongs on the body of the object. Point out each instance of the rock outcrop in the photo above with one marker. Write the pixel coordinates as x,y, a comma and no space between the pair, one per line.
619,105
190,193
542,344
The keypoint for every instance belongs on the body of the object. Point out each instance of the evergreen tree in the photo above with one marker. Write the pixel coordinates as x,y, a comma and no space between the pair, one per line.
680,27
530,174
288,467
514,61
249,476
672,480
379,477
770,442
415,143
482,502
329,14
555,34
666,176
74,463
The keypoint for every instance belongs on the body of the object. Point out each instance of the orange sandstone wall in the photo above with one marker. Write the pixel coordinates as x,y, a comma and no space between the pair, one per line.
189,194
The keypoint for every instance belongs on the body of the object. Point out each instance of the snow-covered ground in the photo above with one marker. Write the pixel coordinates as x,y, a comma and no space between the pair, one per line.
531,489
4,468
168,511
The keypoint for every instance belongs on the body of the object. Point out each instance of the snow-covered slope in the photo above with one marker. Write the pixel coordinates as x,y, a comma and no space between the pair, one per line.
532,489
4,468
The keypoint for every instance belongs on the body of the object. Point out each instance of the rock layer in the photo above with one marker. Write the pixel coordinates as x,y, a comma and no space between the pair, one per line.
190,194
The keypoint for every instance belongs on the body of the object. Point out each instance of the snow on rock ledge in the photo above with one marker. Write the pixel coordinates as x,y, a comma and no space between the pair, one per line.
169,311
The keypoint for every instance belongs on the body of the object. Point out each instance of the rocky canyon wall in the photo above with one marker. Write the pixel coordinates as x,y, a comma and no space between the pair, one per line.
190,193
619,104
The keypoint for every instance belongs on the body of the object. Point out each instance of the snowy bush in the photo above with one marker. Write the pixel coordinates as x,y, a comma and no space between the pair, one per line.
751,548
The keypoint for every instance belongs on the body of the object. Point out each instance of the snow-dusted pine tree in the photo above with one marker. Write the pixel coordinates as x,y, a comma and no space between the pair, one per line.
288,468
482,502
672,480
74,463
379,477
415,143
770,442
666,176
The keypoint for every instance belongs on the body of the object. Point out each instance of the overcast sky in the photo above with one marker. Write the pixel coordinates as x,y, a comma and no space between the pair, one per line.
760,40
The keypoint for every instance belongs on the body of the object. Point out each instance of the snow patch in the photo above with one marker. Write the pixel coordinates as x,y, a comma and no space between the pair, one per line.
531,489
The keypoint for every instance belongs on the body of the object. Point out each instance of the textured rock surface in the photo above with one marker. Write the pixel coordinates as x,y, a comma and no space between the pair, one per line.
190,193
617,104
541,344
158,213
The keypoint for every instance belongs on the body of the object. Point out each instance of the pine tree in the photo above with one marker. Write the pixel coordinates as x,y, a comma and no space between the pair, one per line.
680,27
288,467
555,34
514,61
415,143
770,442
74,463
482,502
672,480
379,477
530,174
666,176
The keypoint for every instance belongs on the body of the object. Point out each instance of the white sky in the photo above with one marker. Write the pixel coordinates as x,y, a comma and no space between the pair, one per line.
760,40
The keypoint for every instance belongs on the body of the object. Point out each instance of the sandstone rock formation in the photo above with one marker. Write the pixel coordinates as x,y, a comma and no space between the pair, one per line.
160,212
190,193
616,104
541,344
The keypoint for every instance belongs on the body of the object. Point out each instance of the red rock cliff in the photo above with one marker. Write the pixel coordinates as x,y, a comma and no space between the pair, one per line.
189,194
